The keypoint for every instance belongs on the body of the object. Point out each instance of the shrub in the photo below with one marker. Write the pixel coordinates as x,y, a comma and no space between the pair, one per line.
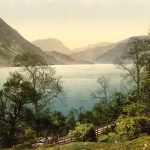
131,126
135,109
29,133
26,145
111,137
83,132
103,138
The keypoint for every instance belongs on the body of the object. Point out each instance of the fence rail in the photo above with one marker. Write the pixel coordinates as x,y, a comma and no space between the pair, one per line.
66,139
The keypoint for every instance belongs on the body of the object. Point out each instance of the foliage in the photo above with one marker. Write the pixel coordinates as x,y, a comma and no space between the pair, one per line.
145,91
131,126
83,132
100,114
135,109
138,144
103,138
15,95
28,132
70,121
24,146
137,49
46,85
112,137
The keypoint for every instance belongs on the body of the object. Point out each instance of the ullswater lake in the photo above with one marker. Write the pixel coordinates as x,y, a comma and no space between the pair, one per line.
78,82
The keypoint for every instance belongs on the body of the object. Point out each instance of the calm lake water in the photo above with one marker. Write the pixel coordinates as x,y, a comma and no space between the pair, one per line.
78,82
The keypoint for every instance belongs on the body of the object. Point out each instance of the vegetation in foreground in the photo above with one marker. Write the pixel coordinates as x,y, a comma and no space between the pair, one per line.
141,143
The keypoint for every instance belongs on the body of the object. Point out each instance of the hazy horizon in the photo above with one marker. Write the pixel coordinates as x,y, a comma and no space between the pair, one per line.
77,23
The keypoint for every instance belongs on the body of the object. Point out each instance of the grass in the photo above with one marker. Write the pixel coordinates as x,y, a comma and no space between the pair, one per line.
142,143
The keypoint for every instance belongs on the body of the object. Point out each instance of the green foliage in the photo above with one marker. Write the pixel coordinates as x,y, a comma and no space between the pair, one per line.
135,109
101,114
70,121
14,96
24,146
141,143
83,132
112,137
103,138
46,85
29,59
28,132
131,126
145,91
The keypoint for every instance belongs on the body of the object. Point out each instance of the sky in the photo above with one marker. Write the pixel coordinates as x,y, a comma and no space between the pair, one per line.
77,23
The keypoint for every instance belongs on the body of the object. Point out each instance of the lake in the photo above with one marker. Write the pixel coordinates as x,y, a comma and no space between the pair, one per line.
78,82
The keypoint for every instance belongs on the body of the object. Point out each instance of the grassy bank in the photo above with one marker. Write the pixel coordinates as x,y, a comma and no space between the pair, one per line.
142,143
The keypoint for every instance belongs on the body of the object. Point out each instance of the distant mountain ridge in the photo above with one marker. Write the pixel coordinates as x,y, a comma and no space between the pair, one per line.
106,54
90,54
91,46
121,48
52,44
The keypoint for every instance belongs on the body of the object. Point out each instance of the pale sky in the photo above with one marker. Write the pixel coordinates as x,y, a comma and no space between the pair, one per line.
77,23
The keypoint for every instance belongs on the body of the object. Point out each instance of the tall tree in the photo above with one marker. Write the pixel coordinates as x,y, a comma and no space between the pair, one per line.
146,79
102,93
44,81
15,95
132,61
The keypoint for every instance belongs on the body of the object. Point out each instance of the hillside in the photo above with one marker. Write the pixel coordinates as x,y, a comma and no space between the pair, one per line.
113,54
106,54
52,44
91,53
65,59
12,43
141,143
91,46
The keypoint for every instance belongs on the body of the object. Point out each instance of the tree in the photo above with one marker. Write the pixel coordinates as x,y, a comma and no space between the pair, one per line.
70,120
146,79
15,95
103,94
46,85
100,114
134,56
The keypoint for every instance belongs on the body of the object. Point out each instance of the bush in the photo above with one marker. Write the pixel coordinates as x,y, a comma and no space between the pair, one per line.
135,109
111,137
132,126
83,132
103,138
29,133
26,145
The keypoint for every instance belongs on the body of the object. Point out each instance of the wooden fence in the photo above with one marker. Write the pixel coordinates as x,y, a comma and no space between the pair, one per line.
66,139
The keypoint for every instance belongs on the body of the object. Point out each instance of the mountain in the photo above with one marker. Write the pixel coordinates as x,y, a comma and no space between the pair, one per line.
121,48
52,44
12,44
90,54
65,59
105,54
91,46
